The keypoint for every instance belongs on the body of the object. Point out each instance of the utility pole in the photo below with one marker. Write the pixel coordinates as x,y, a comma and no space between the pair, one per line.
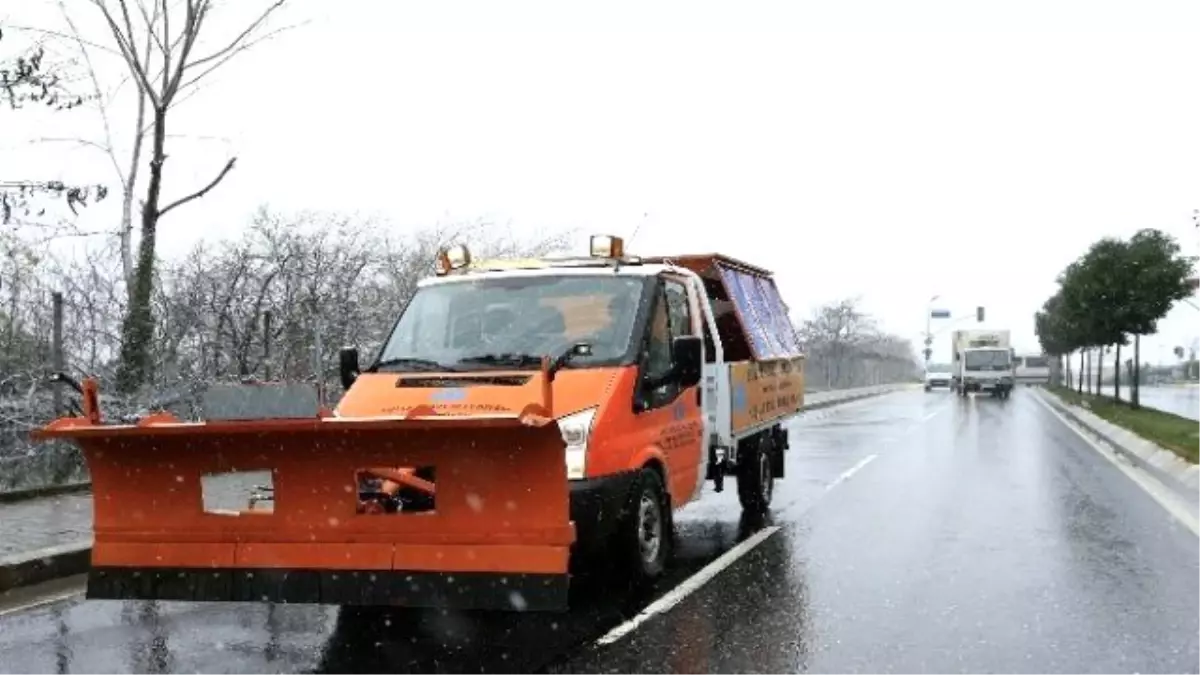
930,315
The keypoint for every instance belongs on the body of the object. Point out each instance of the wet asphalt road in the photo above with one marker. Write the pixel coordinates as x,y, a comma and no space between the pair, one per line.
974,536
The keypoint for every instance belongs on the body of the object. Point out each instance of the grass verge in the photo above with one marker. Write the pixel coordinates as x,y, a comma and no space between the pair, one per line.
1177,434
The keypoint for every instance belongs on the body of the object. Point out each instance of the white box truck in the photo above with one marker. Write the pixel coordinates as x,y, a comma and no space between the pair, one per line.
983,362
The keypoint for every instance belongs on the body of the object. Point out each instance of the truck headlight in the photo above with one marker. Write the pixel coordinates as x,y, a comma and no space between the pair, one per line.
576,430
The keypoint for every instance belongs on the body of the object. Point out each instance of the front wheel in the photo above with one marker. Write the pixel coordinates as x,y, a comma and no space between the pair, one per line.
646,532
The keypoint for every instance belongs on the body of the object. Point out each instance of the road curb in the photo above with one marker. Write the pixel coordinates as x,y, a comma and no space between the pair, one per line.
1175,473
45,491
70,559
807,407
26,569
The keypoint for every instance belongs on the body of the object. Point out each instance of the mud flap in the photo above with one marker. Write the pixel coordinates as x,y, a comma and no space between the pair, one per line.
467,513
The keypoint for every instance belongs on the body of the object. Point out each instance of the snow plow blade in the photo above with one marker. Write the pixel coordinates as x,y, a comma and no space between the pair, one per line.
422,511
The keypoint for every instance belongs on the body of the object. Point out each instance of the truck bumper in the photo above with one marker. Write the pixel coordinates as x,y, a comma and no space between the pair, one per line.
596,505
596,508
988,386
459,590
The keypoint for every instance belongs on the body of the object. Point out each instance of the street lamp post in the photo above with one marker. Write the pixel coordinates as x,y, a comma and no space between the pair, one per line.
929,330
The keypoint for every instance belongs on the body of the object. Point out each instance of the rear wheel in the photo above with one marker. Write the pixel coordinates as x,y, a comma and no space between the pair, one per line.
646,532
756,480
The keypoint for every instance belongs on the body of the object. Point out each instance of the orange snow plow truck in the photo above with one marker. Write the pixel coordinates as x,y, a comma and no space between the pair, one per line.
521,412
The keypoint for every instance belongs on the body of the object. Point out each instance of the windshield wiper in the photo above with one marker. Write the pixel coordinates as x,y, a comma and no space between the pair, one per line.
558,362
510,360
424,365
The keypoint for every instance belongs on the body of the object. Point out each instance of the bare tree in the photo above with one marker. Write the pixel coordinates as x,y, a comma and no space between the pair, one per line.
160,44
32,78
845,348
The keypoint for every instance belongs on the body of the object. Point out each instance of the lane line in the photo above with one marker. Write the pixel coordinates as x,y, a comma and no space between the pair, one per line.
850,472
689,586
931,415
1152,486
706,573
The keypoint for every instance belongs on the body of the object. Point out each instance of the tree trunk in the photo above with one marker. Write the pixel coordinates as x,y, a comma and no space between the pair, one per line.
1134,397
1082,370
1099,370
1117,374
138,329
126,238
1087,377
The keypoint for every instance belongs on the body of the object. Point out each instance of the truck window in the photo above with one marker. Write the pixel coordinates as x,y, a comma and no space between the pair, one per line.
658,356
989,359
663,324
535,315
678,311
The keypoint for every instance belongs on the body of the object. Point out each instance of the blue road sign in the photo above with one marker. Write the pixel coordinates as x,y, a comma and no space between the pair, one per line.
939,314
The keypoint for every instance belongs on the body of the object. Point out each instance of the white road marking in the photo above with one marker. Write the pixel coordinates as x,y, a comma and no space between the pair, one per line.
694,582
934,414
850,472
689,586
1153,487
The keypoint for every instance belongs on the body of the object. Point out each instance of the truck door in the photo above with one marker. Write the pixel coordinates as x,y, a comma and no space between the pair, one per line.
681,438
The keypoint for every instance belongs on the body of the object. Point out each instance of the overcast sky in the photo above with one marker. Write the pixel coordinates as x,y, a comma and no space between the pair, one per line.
892,150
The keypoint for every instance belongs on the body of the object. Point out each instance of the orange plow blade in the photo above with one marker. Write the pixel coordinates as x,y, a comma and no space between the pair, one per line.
463,512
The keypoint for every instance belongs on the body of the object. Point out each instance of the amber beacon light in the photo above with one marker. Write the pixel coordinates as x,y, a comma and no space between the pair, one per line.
607,246
453,258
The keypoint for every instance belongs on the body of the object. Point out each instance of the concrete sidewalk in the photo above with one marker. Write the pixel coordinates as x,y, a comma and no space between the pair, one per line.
48,537
44,538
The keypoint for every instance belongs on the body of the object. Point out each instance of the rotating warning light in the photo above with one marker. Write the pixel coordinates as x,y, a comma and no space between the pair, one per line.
607,246
453,258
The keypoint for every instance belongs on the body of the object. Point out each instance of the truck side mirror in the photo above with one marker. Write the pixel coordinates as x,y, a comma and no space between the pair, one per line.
688,352
348,366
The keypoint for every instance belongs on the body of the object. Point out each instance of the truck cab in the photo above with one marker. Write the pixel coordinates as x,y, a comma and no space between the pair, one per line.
656,372
983,364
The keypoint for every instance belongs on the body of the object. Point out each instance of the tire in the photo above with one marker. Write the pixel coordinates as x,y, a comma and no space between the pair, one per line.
755,479
646,532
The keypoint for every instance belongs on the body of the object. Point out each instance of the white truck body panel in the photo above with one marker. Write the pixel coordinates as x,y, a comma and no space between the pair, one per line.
1032,368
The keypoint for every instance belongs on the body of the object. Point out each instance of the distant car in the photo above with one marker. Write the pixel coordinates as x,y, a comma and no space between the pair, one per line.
937,376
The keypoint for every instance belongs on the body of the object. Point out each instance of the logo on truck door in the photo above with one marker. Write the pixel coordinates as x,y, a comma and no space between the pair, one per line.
448,395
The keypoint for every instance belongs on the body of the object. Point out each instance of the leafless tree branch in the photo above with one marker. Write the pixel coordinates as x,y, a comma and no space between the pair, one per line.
202,191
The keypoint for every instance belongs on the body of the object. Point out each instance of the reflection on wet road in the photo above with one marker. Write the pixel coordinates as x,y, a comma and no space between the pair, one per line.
988,538
918,532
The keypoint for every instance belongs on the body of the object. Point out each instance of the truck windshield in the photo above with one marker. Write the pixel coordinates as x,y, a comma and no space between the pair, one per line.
989,359
513,321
